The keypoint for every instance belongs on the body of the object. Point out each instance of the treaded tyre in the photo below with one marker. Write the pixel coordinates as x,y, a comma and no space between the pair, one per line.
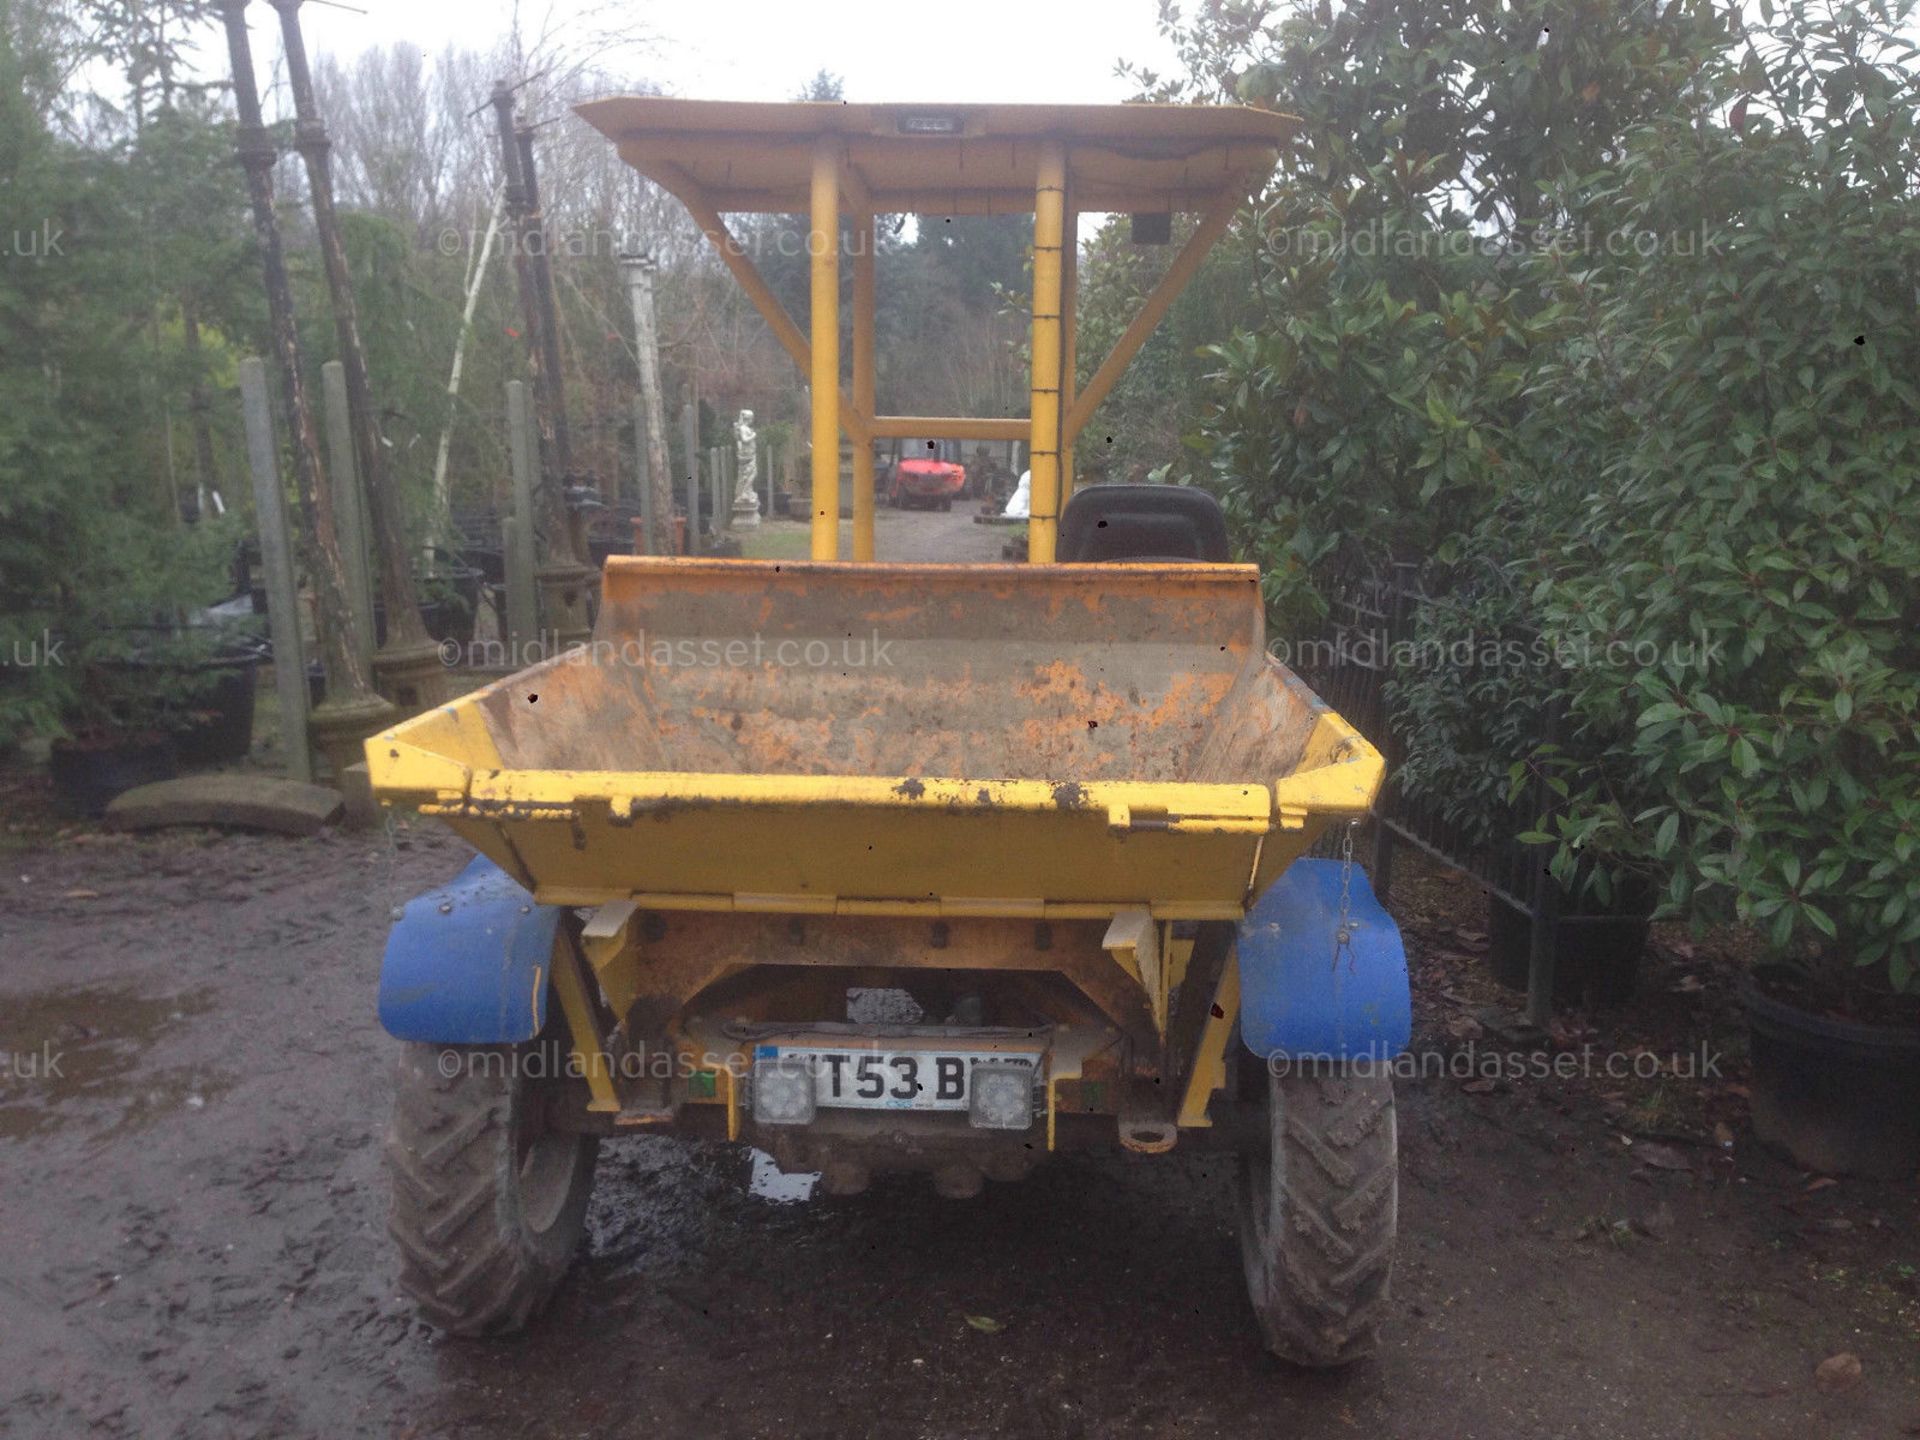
489,1203
1318,1213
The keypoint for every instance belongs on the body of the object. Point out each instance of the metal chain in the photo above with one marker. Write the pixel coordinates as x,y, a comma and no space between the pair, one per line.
391,858
1343,933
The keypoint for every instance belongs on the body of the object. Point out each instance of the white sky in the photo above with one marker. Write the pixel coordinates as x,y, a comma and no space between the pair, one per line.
954,50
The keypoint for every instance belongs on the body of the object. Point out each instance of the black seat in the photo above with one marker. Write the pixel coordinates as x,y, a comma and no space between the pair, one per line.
1143,522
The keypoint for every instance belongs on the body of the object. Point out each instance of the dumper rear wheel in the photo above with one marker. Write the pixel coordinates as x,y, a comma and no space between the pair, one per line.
489,1199
1318,1212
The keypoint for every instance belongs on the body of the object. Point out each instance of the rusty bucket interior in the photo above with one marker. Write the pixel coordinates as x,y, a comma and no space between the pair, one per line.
1006,672
989,738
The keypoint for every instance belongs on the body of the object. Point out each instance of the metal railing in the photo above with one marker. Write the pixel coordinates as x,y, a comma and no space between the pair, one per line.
1373,619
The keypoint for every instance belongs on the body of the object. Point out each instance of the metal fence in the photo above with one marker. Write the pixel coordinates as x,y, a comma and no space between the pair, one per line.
1373,619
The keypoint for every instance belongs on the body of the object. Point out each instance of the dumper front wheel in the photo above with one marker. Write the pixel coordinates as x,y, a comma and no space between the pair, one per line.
1318,1210
489,1200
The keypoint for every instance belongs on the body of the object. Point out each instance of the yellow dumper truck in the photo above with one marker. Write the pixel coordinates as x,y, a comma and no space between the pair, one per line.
1053,814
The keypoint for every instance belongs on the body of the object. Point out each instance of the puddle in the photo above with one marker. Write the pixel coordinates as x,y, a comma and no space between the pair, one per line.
72,1059
770,1182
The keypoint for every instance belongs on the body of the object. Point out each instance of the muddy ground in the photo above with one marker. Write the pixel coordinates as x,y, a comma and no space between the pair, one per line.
193,1239
192,1214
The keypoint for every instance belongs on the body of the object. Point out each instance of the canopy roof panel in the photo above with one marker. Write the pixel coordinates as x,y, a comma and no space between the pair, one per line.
926,158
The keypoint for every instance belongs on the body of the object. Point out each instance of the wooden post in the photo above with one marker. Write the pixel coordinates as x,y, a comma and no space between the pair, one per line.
535,223
352,710
690,440
351,514
515,197
656,479
276,556
565,581
523,611
643,468
408,664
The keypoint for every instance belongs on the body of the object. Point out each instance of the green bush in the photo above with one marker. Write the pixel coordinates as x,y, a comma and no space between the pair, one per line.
108,247
129,622
1363,412
1743,579
1470,691
1633,330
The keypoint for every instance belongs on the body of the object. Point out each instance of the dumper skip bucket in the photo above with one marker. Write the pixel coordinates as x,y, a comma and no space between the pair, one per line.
1051,741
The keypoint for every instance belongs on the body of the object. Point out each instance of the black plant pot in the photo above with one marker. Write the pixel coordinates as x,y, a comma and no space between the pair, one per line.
1836,1096
216,725
446,616
87,773
220,728
1596,957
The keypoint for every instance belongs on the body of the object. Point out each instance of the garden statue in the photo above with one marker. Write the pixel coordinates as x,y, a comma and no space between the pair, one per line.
746,450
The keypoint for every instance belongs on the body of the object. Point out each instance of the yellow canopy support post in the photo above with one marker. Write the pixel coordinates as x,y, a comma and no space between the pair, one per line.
863,313
833,159
1070,342
1043,445
823,245
1185,265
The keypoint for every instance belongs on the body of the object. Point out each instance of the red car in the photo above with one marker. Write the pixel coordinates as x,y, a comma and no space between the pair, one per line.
925,474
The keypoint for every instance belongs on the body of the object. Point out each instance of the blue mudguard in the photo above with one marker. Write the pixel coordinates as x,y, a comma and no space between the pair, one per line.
1298,999
468,963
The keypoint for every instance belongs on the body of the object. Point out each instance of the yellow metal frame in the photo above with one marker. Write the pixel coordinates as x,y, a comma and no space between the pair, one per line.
838,162
1125,859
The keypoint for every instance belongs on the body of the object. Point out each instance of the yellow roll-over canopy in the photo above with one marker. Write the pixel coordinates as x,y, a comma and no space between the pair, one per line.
944,159
1053,161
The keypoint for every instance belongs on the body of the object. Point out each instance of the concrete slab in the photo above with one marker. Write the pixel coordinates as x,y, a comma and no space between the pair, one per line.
242,802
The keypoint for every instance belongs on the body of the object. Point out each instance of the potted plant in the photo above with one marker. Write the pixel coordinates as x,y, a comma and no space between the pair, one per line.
1741,580
137,672
448,591
114,733
203,679
1475,697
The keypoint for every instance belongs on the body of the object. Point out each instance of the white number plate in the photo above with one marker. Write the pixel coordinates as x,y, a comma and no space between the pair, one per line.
894,1079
